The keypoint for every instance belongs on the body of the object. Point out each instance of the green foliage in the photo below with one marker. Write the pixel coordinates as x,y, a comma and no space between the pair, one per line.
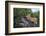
22,11
36,14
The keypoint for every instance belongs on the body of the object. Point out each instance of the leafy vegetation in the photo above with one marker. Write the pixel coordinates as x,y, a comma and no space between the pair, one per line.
22,12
